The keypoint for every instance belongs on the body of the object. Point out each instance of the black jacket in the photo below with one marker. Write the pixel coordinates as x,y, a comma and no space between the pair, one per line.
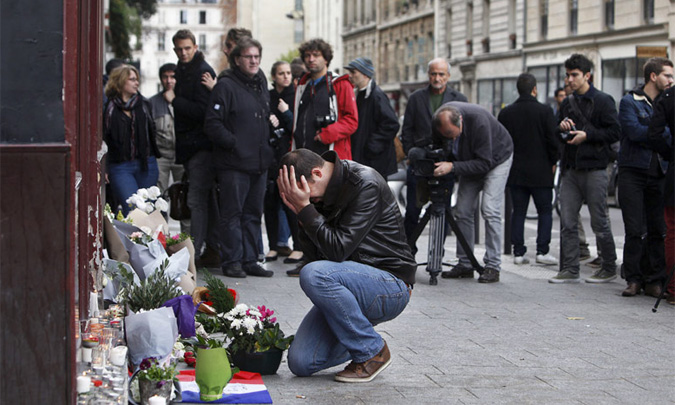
357,220
190,106
664,110
373,141
119,141
602,129
281,144
535,149
237,122
417,119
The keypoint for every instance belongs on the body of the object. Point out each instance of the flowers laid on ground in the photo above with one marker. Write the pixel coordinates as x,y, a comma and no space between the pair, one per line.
147,200
140,238
150,293
178,238
252,330
151,370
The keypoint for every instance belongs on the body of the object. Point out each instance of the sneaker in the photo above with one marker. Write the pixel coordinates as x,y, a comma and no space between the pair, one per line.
521,260
458,272
234,270
601,276
565,277
546,259
489,276
366,371
597,262
255,269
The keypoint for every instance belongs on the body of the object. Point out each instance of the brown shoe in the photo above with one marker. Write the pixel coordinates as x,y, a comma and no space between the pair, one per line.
653,289
366,371
632,290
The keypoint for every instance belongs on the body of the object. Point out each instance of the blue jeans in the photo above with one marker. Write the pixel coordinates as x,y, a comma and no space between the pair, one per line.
127,177
576,187
241,209
349,299
543,200
492,184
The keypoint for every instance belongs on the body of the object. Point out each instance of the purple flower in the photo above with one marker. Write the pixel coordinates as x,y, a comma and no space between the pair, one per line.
146,364
160,384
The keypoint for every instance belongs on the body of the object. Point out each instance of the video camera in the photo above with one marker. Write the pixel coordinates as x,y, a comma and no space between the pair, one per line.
423,160
275,136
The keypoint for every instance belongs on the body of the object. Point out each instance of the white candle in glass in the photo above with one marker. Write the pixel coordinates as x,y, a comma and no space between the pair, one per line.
83,383
157,400
86,354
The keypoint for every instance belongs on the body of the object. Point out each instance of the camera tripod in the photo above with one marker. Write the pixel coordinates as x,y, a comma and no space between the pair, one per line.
437,213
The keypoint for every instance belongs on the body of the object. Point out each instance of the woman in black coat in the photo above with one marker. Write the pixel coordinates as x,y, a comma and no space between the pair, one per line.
129,131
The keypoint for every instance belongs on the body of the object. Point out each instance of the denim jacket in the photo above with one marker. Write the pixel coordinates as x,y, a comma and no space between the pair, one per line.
635,113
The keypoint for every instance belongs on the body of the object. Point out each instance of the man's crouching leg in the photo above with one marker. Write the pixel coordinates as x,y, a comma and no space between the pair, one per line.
349,298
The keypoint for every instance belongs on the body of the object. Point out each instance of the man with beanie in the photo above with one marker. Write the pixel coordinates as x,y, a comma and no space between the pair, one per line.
193,148
373,141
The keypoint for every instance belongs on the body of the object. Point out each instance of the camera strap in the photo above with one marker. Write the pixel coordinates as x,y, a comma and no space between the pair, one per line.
577,111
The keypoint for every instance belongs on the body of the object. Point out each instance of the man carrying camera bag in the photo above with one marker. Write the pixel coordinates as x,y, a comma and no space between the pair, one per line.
325,108
483,152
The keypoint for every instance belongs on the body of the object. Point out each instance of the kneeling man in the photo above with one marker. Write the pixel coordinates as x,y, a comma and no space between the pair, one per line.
360,271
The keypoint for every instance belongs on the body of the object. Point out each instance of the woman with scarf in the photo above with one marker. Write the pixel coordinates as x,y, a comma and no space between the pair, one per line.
129,131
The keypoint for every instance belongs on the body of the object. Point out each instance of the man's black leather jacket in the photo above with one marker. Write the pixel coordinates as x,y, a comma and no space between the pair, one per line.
358,220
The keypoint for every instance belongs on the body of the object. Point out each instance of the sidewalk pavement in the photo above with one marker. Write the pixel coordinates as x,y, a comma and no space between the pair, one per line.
519,341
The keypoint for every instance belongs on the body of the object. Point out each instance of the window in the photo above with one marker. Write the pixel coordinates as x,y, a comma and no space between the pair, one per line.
609,14
548,78
543,18
202,42
648,11
574,17
495,94
512,24
621,75
161,41
183,16
448,31
202,17
209,1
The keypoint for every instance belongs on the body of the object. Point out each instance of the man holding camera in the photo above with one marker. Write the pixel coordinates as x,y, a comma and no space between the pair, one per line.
325,108
416,131
588,126
482,153
238,123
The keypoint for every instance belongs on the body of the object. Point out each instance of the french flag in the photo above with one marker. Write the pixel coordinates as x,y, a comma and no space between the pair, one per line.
244,388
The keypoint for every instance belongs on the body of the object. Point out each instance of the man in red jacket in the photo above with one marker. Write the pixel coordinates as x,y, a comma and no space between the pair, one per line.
325,107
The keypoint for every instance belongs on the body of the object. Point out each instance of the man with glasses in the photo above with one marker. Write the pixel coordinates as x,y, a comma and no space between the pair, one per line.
238,123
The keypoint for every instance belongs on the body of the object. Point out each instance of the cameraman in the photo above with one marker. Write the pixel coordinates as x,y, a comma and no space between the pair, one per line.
325,108
483,152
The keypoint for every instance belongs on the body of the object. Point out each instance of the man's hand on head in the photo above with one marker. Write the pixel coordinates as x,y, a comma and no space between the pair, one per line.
296,198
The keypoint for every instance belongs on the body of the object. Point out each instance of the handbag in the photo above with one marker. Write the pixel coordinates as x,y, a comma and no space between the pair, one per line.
400,153
178,193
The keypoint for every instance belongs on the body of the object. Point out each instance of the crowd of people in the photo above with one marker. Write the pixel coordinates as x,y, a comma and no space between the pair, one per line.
311,152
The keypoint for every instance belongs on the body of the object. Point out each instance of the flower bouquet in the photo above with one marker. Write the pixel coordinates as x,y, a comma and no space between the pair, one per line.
176,243
155,379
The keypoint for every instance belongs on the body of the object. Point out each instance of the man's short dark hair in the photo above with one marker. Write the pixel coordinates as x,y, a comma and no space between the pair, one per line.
183,34
655,65
304,160
297,68
112,64
236,33
558,90
579,61
243,43
525,84
455,115
317,44
167,67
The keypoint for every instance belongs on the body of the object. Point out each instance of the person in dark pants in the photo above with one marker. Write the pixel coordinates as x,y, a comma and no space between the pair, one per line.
373,141
417,130
641,179
588,126
238,123
660,137
535,153
193,149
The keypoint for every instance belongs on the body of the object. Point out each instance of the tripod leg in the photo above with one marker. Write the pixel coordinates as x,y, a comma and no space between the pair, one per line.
435,252
462,241
663,290
418,229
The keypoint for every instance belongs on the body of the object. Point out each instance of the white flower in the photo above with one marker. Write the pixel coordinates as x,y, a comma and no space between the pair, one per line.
250,324
178,346
149,207
154,192
255,313
236,324
162,205
132,199
143,193
141,205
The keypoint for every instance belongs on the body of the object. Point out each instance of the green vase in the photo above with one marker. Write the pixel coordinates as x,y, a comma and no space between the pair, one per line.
265,363
212,373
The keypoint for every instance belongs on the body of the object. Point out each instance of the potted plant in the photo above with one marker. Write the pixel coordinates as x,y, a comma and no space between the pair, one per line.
150,293
256,341
155,379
